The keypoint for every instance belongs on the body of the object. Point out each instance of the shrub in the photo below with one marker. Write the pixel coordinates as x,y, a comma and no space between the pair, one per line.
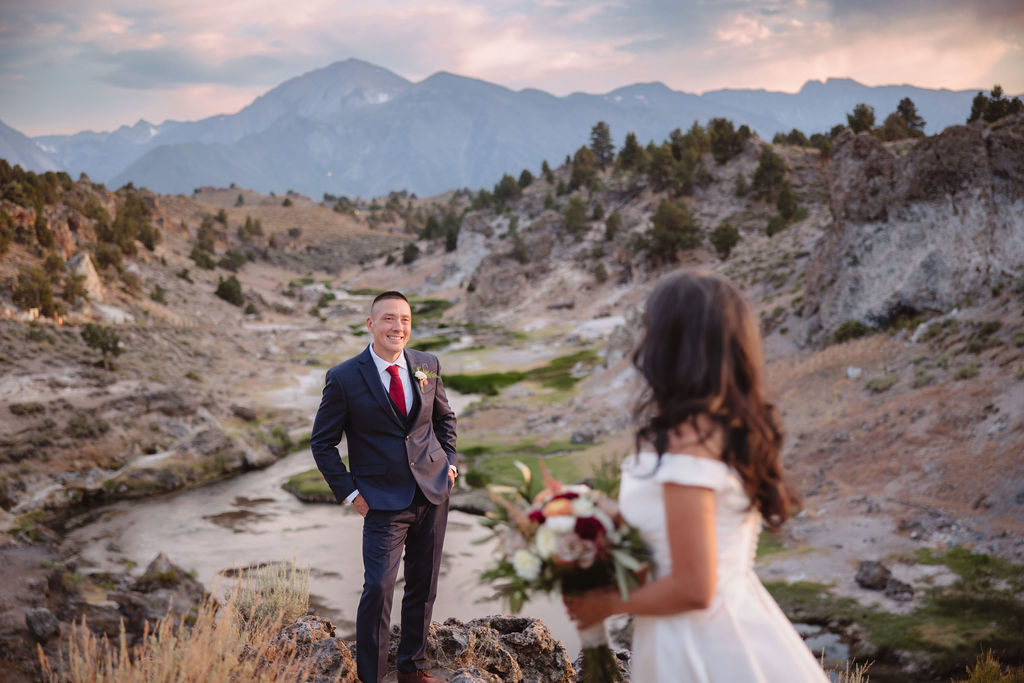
44,235
768,175
967,371
230,290
6,231
740,189
149,236
726,142
862,119
82,426
723,239
32,290
107,256
103,339
878,385
786,200
410,253
612,225
507,190
584,169
202,258
74,288
159,294
206,235
849,329
631,156
922,379
233,260
776,224
576,217
672,231
525,179
287,201
600,273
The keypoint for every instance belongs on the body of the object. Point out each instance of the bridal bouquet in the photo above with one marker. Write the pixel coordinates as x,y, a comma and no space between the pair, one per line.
567,539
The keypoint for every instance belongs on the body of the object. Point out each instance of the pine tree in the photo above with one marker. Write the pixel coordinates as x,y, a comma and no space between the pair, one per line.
631,156
862,119
907,111
601,144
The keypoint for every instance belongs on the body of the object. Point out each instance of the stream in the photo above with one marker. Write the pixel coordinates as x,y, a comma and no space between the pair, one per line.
250,519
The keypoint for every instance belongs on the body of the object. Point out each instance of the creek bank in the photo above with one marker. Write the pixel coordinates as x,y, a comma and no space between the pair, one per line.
42,597
145,443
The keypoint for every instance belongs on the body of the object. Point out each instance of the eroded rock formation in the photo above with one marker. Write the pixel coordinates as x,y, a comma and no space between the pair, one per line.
918,228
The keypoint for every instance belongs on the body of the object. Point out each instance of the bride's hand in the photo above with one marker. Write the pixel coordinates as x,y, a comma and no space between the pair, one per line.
590,607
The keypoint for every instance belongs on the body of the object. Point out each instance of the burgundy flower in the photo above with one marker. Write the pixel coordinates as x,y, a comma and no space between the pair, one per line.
589,528
537,516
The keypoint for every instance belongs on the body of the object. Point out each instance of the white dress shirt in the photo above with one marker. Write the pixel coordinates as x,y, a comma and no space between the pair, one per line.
385,376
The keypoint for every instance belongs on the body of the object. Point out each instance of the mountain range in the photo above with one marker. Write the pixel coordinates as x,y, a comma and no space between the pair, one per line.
353,128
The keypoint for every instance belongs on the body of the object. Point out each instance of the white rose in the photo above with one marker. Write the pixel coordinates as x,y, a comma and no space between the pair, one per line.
421,376
527,565
562,524
545,541
582,507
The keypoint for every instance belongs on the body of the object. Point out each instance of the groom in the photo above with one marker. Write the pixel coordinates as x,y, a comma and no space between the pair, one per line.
391,404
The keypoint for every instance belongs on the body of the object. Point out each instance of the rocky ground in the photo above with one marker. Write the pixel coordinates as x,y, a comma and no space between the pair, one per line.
905,441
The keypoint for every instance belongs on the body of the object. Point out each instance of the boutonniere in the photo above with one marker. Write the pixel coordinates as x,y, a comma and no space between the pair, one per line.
422,374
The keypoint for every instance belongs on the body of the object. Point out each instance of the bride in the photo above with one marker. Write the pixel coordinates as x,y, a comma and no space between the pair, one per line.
707,475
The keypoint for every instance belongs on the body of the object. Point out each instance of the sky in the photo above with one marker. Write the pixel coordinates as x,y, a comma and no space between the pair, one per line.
71,65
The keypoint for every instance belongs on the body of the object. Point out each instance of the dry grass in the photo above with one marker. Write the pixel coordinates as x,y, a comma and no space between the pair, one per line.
858,674
236,641
272,592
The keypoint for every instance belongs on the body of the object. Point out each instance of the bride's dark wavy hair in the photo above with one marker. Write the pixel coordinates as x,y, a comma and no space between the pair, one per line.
701,355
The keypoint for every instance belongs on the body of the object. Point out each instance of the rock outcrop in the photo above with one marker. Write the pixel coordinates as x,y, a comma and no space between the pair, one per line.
918,228
499,648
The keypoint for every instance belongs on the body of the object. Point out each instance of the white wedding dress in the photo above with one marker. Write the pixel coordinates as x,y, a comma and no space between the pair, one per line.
743,637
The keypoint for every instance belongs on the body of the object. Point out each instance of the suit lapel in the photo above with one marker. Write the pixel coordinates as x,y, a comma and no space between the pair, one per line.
417,394
372,378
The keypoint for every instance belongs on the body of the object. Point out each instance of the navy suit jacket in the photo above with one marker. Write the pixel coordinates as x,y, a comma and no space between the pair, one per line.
388,454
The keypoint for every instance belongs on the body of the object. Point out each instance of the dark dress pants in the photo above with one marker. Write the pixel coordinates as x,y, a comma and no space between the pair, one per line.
420,529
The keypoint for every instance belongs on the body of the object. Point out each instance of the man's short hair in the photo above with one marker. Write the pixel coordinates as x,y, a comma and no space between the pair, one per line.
391,294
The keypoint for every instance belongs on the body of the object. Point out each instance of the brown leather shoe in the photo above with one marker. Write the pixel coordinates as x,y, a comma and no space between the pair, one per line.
418,676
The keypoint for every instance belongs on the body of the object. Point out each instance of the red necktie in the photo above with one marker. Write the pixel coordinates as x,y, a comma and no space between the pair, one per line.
396,390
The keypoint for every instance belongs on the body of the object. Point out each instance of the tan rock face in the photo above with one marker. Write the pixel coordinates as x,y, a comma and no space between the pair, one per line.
920,232
81,264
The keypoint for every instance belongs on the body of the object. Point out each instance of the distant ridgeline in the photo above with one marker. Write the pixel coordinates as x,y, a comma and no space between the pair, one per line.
358,130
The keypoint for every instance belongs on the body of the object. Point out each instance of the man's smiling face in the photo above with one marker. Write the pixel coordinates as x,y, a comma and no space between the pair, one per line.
390,323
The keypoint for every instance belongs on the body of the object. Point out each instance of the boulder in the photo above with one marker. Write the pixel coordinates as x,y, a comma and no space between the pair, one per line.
41,623
873,575
81,264
898,590
243,412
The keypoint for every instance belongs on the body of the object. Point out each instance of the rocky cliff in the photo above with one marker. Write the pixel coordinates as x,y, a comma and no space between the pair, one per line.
920,228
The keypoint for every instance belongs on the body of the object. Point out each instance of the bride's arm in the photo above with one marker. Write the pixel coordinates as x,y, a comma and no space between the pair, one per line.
690,515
